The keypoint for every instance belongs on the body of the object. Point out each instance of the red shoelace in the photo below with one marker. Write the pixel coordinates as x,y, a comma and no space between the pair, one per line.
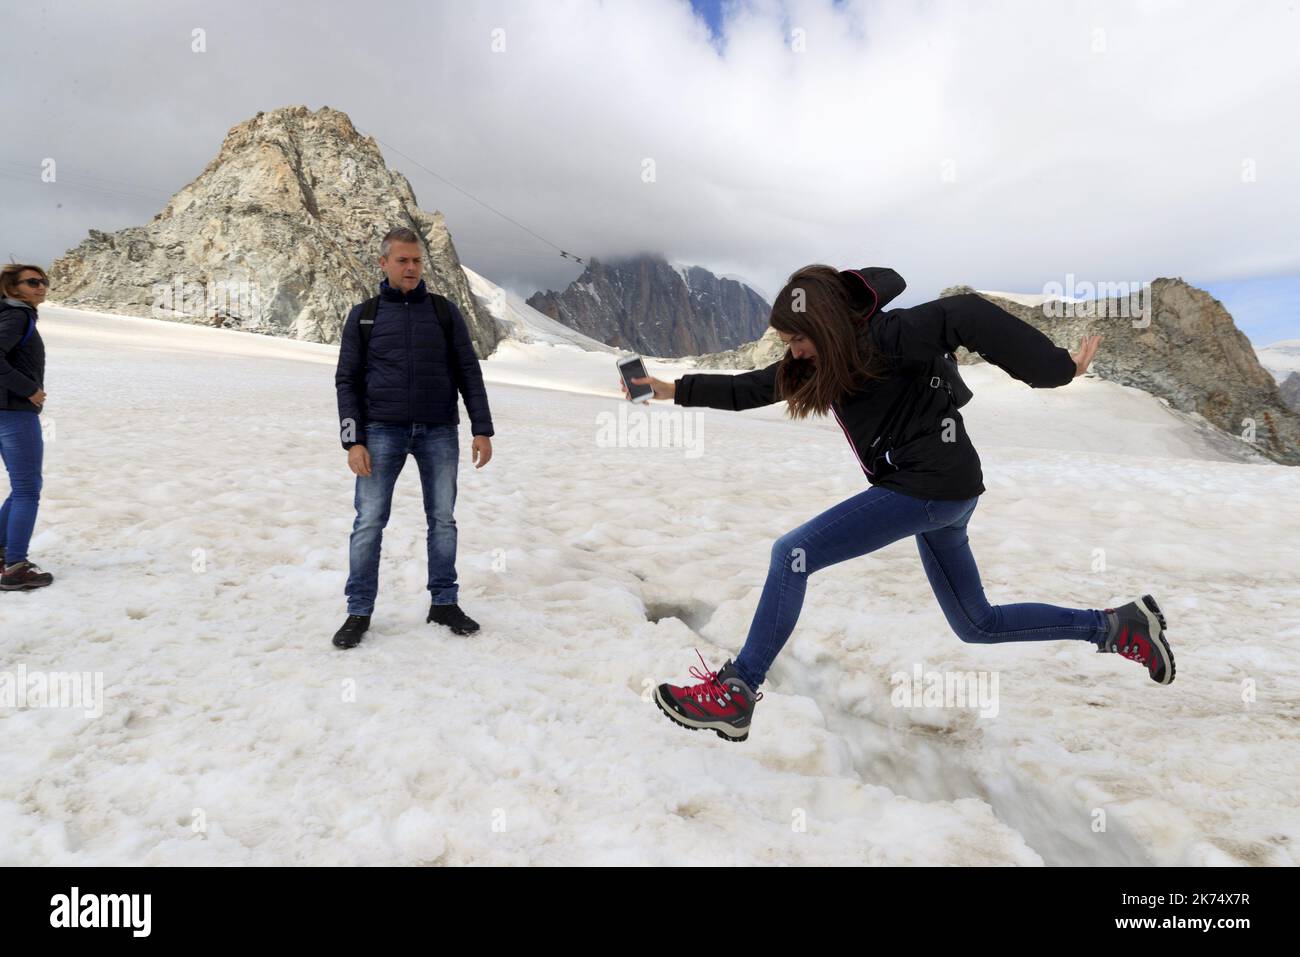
708,680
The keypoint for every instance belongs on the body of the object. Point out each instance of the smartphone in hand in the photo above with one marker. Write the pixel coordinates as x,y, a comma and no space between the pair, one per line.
631,368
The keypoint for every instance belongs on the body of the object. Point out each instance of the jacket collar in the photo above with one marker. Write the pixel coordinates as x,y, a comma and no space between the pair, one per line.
18,303
418,294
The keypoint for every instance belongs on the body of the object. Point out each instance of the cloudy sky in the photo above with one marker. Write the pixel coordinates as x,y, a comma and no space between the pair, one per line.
1003,145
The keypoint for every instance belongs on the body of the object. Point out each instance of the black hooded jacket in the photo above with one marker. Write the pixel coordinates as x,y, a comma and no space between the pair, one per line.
22,356
923,449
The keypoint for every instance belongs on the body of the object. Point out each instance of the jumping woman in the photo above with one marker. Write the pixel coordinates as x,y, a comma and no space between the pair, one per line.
890,381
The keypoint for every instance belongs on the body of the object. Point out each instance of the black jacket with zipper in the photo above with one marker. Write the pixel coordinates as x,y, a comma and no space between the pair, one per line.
410,374
925,452
22,367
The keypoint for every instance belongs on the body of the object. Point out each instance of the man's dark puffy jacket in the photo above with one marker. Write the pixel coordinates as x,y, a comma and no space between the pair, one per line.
410,375
22,367
919,462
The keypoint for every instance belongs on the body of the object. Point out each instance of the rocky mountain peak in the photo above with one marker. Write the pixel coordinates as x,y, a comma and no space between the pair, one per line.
278,234
1178,343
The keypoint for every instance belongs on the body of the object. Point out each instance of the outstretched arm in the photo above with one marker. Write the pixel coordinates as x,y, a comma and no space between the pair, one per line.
749,390
970,320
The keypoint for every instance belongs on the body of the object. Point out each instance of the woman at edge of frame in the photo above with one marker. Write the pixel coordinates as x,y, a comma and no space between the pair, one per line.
22,443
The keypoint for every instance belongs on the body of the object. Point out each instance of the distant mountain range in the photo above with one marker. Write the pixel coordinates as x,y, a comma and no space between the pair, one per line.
279,234
648,305
520,322
295,202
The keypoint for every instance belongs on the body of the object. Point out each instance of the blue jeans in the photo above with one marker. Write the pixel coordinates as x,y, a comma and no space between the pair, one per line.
22,446
436,449
871,520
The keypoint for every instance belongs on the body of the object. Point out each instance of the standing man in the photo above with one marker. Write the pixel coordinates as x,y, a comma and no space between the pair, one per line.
403,357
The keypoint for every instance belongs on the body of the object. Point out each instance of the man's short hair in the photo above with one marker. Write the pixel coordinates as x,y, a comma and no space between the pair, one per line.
401,234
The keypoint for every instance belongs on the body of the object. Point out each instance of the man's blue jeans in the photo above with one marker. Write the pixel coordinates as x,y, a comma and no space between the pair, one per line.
436,449
871,520
22,447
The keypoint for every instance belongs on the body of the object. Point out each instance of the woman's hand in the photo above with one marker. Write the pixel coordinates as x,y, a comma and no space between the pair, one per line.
662,390
1087,349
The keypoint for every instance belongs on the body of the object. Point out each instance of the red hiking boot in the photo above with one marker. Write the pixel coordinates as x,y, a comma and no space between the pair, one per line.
1137,632
722,702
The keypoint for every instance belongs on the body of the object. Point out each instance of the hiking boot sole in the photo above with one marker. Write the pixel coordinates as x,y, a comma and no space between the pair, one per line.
26,586
1154,615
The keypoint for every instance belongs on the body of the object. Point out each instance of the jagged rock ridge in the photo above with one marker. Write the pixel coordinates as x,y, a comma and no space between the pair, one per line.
648,305
279,234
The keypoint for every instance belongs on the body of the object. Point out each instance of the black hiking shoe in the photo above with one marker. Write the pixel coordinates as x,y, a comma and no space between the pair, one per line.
455,619
349,636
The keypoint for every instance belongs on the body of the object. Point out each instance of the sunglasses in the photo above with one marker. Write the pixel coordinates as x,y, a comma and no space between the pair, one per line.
34,283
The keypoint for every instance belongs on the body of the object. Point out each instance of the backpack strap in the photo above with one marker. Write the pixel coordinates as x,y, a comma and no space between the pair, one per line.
443,309
366,326
949,378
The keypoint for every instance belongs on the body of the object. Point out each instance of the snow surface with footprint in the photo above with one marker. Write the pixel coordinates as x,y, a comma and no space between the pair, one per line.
196,514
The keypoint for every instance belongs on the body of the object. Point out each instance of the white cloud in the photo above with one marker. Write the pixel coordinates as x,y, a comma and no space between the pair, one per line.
1117,163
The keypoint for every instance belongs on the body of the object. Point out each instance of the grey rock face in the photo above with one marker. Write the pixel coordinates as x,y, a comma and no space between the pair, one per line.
1290,391
1185,350
759,354
647,305
279,234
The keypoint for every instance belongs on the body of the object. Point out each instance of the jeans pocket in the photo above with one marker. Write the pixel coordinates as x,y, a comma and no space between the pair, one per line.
946,511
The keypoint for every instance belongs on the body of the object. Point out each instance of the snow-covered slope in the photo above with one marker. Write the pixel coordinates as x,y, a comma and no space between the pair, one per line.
1026,298
1281,358
196,515
522,322
538,351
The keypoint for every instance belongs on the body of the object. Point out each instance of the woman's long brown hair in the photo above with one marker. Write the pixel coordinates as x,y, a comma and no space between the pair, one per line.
815,303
